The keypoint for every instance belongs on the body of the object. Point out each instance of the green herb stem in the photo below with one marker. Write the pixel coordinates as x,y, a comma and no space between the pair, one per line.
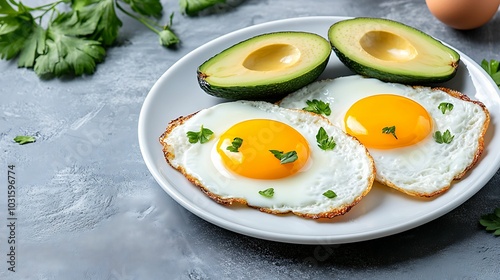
45,7
140,19
46,10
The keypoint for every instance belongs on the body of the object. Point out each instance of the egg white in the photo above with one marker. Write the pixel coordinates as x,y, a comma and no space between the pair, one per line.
426,168
348,169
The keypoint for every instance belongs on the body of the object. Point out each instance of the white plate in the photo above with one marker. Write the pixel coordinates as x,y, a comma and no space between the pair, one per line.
382,212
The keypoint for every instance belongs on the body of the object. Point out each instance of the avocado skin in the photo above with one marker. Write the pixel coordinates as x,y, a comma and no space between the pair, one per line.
367,71
273,91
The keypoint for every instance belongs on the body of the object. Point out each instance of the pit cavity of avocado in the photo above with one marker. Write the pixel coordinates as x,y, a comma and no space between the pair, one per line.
388,46
272,58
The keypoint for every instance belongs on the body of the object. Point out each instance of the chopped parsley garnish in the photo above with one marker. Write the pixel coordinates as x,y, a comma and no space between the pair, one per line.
21,139
390,130
267,192
330,194
491,221
318,107
203,135
445,106
235,145
285,157
445,137
324,142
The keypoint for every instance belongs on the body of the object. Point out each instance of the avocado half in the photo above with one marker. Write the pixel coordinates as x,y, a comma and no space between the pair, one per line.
266,66
392,52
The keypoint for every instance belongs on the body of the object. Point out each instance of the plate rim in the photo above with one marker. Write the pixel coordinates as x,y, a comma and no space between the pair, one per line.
290,238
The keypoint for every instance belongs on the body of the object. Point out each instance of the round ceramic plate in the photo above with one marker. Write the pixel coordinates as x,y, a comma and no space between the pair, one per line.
382,212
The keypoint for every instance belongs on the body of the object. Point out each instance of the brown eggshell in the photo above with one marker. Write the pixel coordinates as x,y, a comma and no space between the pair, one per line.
463,14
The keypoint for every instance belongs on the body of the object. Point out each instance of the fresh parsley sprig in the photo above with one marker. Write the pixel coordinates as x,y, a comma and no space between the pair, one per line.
73,42
445,106
324,141
443,138
285,158
390,130
491,221
492,67
202,136
330,194
235,145
318,107
75,34
267,192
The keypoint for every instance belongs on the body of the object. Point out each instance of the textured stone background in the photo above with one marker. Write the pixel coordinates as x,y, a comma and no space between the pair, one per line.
89,208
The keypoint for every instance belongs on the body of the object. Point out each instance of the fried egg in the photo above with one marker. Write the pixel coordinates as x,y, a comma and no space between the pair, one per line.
401,126
269,158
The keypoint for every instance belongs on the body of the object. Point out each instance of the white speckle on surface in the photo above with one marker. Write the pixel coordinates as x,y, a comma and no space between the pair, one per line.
89,116
66,204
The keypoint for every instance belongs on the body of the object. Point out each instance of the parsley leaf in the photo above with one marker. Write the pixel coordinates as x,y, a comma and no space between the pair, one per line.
445,106
317,106
5,8
330,194
492,67
74,41
97,19
267,192
491,221
33,46
193,7
203,136
324,142
21,139
236,144
445,137
15,28
68,54
146,7
167,36
285,157
390,130
75,38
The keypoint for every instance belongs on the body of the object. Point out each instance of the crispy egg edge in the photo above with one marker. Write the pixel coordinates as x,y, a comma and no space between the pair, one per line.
477,155
169,156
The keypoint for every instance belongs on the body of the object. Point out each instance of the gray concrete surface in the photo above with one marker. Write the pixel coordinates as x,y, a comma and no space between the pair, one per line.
88,208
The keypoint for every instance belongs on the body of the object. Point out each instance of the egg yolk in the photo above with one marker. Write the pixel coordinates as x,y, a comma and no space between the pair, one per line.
253,158
387,121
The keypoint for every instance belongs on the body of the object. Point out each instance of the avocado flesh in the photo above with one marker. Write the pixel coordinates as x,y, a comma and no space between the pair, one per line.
391,51
267,66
